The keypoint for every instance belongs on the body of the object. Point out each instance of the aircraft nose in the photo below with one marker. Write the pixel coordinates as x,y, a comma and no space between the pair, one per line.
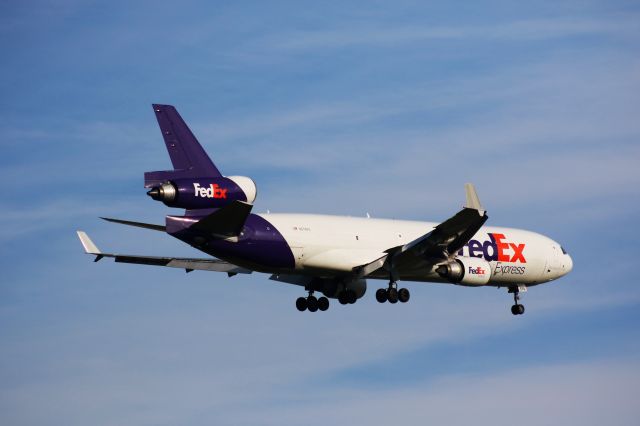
564,262
569,264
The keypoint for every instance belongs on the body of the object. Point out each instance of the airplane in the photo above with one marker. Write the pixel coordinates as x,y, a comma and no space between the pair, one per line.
332,255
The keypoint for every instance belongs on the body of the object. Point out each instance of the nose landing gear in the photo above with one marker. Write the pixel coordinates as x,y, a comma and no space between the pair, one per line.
517,308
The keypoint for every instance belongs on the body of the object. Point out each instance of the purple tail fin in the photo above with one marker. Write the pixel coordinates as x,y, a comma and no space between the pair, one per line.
187,156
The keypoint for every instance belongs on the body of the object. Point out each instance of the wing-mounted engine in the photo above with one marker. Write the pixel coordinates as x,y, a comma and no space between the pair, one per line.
466,271
205,193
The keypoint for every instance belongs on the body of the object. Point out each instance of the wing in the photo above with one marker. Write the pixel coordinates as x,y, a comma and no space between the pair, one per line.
187,264
439,244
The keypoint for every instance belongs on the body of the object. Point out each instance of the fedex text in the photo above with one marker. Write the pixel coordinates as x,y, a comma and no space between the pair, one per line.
497,248
477,271
212,191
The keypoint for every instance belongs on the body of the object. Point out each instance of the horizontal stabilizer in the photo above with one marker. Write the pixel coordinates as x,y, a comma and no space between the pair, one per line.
226,222
136,224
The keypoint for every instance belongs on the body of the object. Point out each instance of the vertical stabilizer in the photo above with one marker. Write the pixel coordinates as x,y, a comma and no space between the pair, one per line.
188,157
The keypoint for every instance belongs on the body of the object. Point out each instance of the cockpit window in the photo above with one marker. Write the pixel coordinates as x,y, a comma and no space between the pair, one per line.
563,250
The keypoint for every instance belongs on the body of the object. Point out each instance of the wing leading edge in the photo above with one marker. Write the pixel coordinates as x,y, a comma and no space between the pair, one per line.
187,264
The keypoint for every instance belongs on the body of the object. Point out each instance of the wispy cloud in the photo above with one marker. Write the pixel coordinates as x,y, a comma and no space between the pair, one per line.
561,114
332,108
522,30
578,393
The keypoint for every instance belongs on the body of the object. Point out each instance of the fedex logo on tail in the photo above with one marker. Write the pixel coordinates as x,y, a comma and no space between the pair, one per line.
497,248
213,191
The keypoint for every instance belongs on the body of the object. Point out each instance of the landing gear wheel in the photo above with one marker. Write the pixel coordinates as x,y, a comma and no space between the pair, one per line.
343,298
323,303
312,303
403,295
392,295
517,309
351,296
381,295
301,304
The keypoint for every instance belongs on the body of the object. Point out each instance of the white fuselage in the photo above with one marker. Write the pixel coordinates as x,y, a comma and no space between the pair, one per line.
334,244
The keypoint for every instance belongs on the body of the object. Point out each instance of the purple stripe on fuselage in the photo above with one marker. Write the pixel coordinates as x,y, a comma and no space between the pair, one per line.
259,245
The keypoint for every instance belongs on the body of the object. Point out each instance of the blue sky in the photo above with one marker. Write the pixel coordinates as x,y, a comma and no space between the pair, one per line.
336,107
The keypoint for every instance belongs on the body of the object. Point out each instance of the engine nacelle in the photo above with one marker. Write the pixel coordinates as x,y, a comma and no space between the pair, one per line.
203,193
467,271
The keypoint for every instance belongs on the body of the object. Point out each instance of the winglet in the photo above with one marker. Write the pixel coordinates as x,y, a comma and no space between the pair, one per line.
473,202
89,246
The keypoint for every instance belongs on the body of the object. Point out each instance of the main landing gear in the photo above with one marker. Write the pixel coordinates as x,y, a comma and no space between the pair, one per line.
393,294
517,308
312,303
347,297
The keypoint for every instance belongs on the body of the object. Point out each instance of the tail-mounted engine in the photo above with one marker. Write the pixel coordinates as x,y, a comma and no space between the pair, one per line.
203,193
467,271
